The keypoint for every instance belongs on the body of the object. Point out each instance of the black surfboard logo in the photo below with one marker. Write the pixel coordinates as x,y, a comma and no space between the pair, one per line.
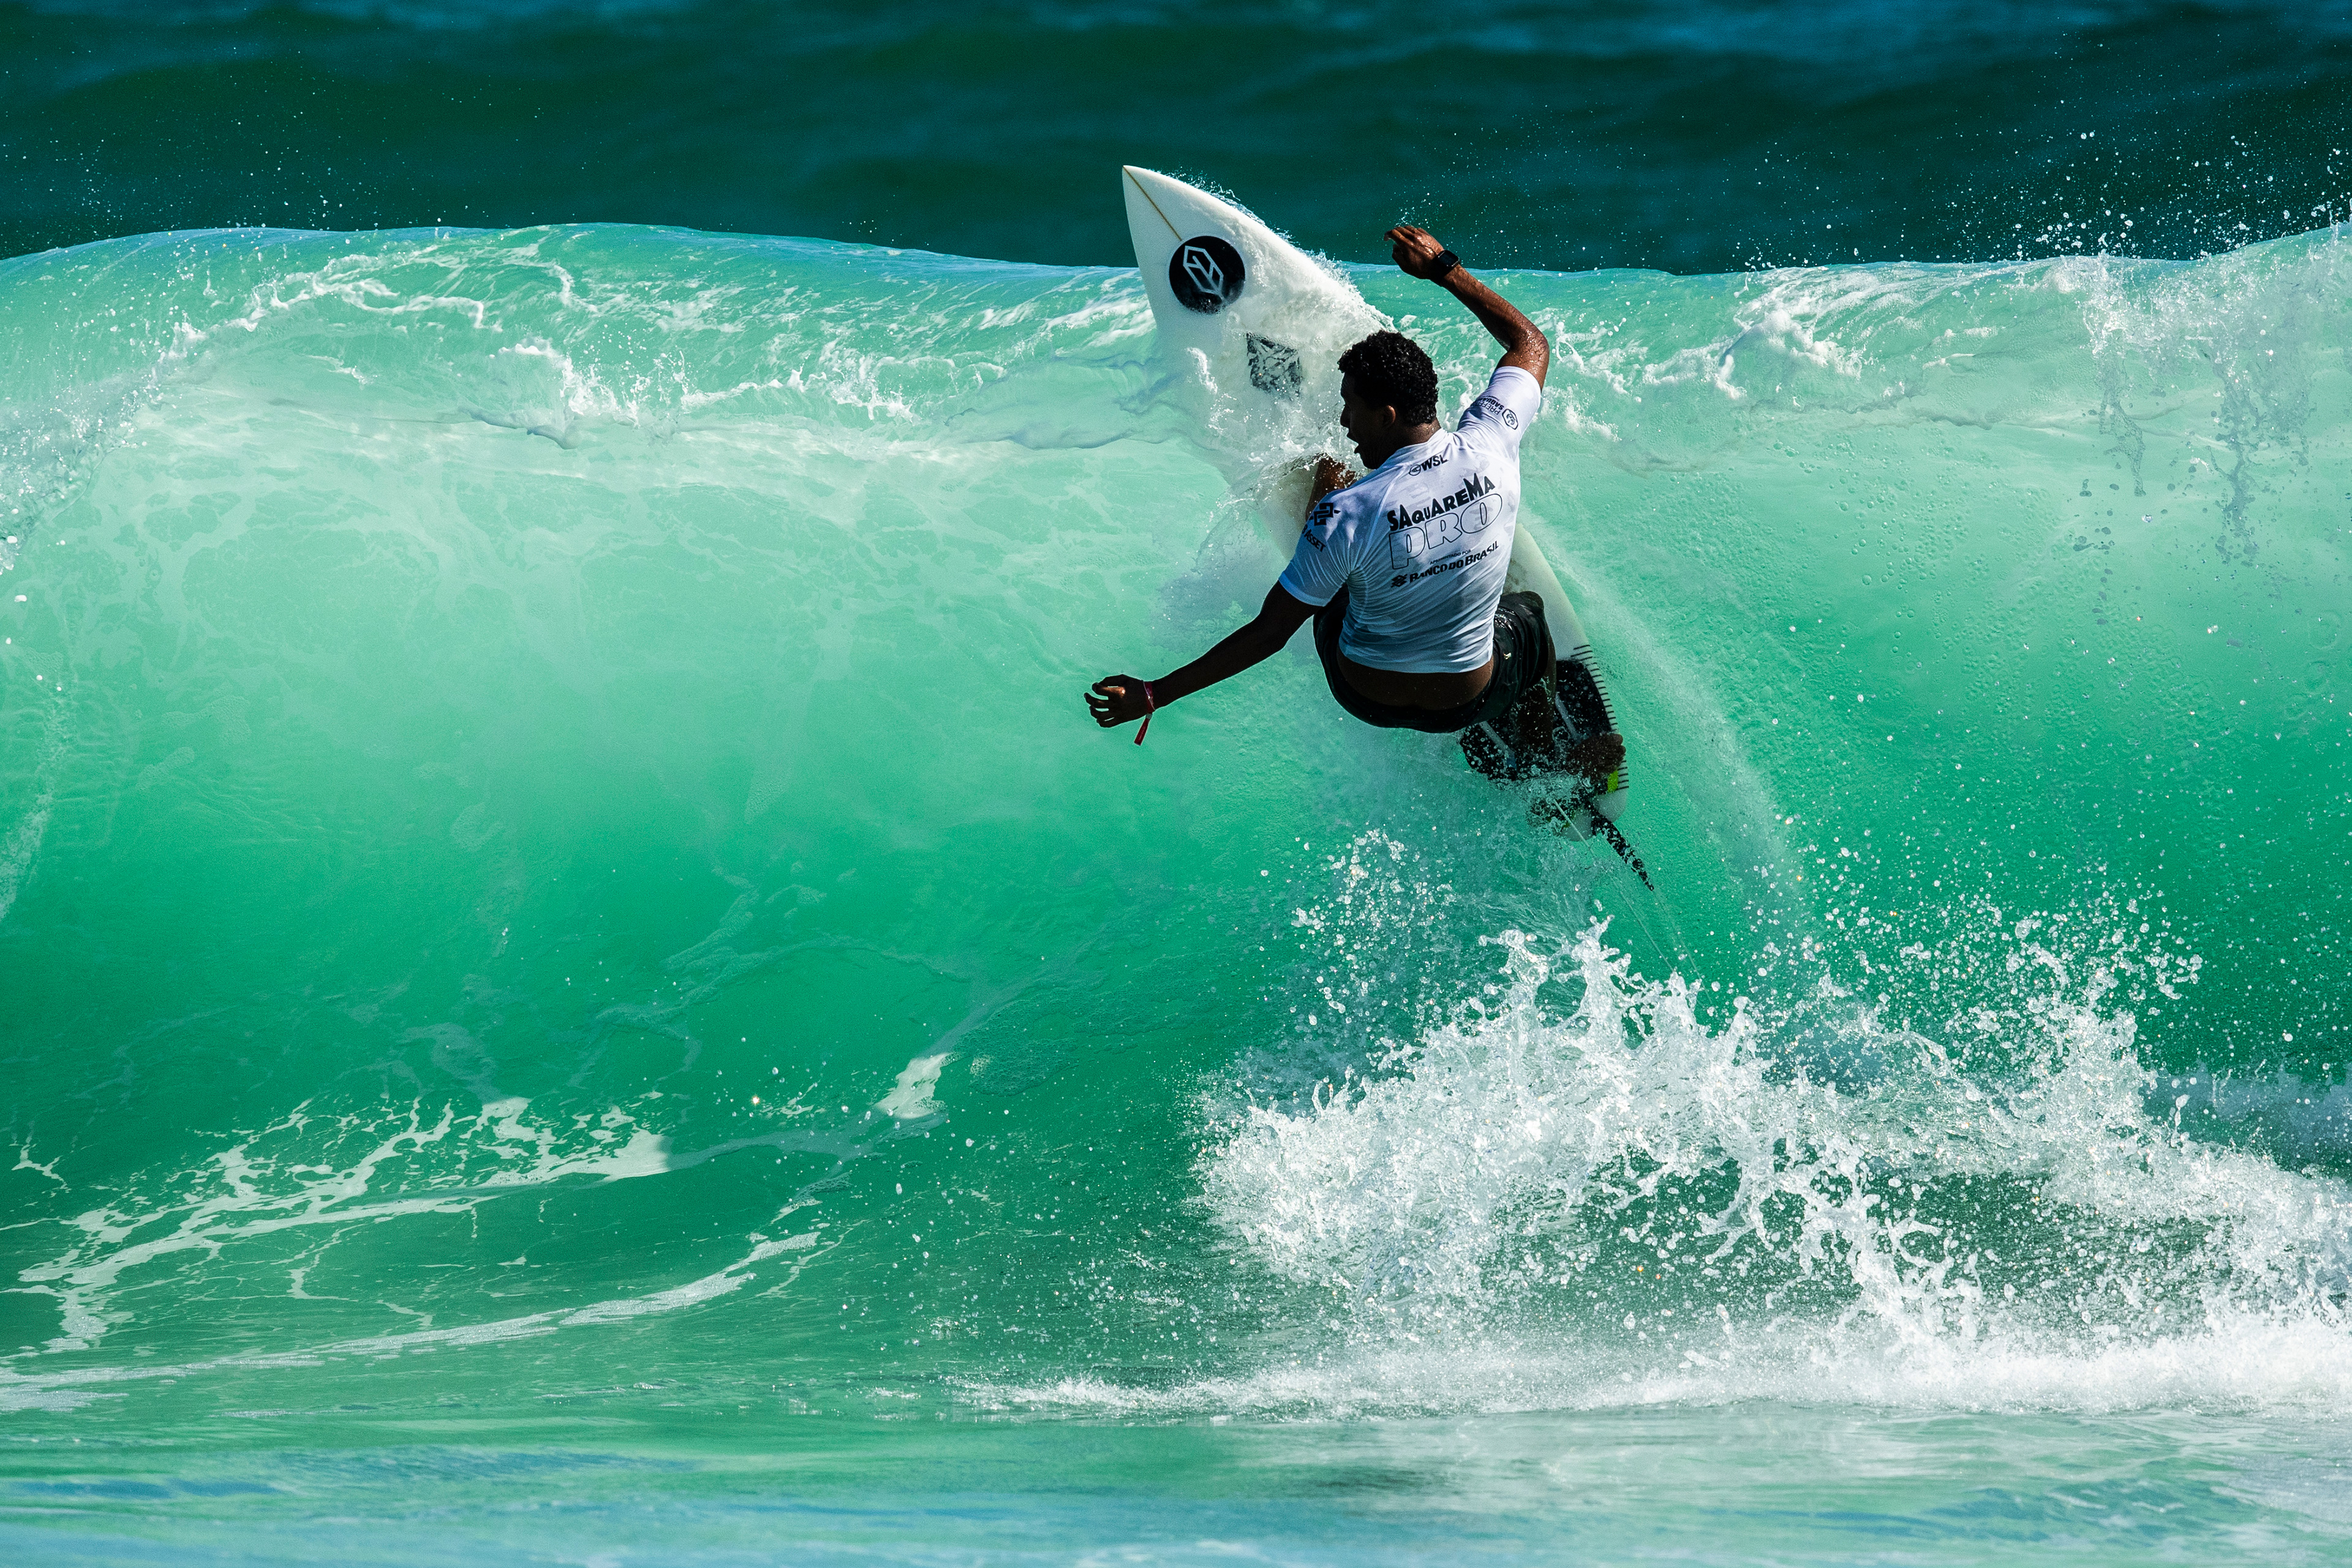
1205,274
1273,367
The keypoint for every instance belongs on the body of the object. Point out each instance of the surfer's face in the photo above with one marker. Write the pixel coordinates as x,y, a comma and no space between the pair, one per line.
1372,427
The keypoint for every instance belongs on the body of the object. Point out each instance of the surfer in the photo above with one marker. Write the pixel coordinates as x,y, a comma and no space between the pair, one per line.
1402,568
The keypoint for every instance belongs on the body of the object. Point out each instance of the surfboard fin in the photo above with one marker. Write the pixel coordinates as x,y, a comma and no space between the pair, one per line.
1562,814
1608,830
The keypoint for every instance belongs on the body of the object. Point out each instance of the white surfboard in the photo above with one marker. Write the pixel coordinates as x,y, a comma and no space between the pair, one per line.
1263,325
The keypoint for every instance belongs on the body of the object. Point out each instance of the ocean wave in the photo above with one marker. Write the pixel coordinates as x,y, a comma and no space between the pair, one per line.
462,688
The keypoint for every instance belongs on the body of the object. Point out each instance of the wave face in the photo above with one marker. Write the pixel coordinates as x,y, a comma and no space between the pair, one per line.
546,822
1698,135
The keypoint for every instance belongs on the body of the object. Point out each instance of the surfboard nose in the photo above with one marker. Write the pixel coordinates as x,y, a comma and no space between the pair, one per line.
1146,214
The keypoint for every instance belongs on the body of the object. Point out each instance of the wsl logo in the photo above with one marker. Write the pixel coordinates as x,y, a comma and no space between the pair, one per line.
1205,274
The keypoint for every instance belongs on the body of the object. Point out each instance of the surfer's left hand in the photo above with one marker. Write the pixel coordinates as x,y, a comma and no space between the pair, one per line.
1331,474
1414,250
1116,699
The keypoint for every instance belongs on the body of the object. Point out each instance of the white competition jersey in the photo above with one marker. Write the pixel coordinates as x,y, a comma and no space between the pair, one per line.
1421,543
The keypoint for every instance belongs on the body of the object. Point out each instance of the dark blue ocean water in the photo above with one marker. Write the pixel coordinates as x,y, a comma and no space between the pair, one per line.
1693,135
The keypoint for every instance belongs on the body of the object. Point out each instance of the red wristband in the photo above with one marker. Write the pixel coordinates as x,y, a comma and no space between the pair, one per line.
1150,706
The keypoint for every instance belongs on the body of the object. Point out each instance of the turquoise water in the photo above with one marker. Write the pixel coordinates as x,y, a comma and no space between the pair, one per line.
579,986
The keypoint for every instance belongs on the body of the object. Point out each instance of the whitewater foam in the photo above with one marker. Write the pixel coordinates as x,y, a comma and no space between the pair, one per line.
2014,1185
2235,1365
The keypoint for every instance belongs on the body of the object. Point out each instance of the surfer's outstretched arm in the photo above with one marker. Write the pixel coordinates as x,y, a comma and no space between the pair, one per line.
1118,699
1417,254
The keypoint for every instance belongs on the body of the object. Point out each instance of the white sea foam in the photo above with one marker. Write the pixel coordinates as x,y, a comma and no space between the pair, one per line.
2237,1364
2012,1207
71,1389
274,1181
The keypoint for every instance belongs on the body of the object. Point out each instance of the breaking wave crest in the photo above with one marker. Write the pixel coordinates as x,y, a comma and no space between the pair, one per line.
1586,1153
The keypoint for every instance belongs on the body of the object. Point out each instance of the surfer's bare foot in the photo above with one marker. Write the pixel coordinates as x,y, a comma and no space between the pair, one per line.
1596,758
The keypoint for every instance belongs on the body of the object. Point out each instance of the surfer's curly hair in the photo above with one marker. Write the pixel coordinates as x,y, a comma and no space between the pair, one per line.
1391,368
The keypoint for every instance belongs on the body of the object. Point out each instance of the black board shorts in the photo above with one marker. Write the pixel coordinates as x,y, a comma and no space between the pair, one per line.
1523,657
1535,707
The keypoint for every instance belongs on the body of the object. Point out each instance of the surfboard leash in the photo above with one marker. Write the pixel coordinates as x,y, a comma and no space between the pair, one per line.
1608,830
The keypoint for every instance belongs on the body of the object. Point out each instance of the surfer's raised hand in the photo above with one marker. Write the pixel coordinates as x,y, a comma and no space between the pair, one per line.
1419,255
1416,251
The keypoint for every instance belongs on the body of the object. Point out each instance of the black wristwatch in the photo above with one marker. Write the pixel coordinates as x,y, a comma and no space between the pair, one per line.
1442,263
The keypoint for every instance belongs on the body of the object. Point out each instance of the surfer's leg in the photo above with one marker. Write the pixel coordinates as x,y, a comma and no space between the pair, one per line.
1517,731
1535,716
1511,736
1531,724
